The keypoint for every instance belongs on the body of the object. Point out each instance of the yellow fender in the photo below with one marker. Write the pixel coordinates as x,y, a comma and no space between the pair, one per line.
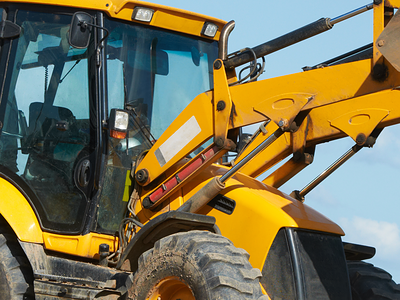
17,211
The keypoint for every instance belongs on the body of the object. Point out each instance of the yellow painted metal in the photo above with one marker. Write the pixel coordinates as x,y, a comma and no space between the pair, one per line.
205,164
321,83
335,102
379,25
392,3
83,245
386,101
171,288
253,103
222,105
359,121
299,137
321,129
388,42
200,112
22,220
264,292
259,214
359,106
164,17
283,107
267,158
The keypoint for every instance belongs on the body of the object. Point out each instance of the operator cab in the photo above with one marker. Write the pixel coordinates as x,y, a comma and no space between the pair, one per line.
54,143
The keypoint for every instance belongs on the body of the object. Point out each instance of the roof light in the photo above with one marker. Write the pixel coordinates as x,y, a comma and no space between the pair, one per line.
209,29
142,14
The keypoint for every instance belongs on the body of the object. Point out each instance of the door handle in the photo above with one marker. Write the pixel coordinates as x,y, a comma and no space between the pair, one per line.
84,173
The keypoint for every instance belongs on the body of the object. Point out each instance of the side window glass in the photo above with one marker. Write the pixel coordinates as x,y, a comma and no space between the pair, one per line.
46,133
117,184
155,74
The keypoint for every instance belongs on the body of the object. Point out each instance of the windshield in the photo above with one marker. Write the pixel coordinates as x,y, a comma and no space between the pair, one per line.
155,74
158,73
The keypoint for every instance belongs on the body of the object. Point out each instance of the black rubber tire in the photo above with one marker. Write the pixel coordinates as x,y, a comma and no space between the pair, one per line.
208,263
16,278
371,283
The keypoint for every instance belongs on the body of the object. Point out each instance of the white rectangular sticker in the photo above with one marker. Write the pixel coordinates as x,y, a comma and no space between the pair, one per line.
177,141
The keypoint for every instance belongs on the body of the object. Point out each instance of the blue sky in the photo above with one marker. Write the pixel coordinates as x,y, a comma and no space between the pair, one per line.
362,195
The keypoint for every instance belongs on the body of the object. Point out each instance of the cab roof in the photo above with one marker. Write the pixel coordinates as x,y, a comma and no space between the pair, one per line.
164,16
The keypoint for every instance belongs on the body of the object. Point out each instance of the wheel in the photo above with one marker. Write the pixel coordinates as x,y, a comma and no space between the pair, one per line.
195,265
16,278
371,283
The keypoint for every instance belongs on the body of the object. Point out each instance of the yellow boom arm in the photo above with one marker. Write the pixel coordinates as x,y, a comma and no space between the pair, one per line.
311,107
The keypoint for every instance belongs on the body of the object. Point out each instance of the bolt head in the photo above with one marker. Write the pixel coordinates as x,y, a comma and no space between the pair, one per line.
283,123
142,176
147,203
360,139
219,142
104,248
217,64
221,105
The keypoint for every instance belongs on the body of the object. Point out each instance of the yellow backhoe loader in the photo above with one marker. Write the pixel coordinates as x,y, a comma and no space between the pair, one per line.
118,119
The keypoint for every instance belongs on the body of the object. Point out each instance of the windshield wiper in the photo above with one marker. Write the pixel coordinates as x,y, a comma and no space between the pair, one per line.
142,127
77,62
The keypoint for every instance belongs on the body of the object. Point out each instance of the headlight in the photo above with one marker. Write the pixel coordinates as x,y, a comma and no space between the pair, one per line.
142,14
209,29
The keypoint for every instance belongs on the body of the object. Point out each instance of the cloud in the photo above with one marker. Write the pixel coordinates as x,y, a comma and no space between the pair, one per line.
384,236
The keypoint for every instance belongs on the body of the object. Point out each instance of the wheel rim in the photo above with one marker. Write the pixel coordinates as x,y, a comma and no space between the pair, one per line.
171,288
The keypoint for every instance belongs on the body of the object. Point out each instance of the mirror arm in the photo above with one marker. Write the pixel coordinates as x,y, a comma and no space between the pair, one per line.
99,45
98,48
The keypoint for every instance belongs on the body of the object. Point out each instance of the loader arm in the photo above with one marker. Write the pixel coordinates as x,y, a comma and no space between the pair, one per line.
310,108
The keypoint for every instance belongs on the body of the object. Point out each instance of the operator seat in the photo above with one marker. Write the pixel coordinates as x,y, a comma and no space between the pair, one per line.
39,112
53,145
52,135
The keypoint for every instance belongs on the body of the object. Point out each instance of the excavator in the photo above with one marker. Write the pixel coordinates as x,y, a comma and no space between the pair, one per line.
125,172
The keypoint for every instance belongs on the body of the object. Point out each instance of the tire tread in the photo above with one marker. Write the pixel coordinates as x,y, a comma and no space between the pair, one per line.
371,283
225,270
20,277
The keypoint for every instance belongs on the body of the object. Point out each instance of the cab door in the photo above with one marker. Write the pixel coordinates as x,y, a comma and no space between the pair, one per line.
48,141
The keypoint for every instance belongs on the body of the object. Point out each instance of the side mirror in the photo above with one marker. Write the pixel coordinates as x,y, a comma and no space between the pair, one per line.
80,29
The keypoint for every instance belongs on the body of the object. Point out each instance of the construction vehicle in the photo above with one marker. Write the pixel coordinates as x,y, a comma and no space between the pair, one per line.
117,119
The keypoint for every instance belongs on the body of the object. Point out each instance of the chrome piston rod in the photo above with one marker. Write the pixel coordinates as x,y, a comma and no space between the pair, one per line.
333,167
273,137
291,38
352,13
217,184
